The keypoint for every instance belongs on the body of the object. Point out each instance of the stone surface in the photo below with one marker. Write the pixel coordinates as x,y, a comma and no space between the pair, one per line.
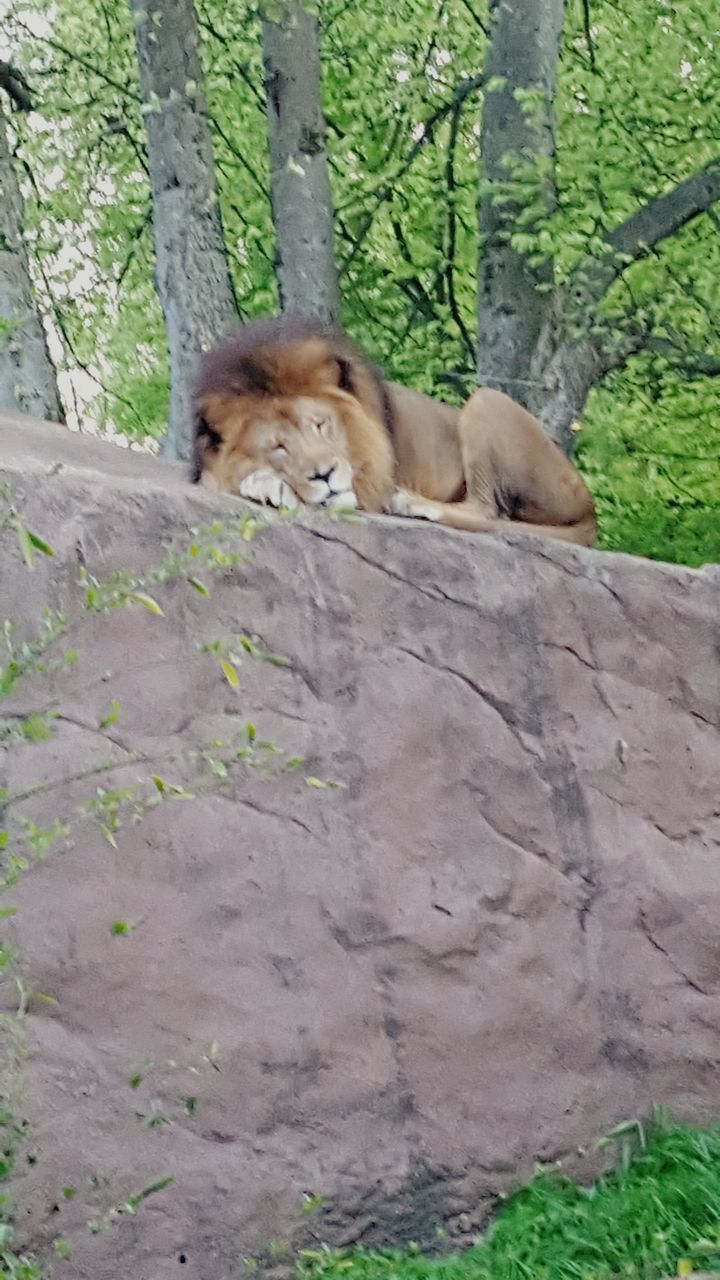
500,939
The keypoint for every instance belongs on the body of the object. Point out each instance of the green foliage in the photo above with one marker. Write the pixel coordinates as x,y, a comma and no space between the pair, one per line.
13,1265
637,106
228,654
650,450
121,928
657,1215
28,541
25,657
16,1266
214,548
128,1207
32,728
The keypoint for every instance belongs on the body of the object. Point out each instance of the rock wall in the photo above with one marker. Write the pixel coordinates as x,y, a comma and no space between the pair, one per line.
359,1012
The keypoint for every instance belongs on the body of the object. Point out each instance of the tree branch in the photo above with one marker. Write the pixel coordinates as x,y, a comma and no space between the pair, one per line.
639,234
235,63
123,89
693,364
587,24
475,17
385,191
664,215
135,238
15,86
451,245
412,285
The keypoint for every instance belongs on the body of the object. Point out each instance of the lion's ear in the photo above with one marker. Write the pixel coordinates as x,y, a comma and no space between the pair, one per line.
345,378
205,440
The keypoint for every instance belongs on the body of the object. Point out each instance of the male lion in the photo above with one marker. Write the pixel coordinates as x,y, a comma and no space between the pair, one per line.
287,410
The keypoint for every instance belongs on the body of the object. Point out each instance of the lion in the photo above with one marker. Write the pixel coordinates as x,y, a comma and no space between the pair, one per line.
289,411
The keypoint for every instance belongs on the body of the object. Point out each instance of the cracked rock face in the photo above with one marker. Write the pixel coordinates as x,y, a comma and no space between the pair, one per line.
497,941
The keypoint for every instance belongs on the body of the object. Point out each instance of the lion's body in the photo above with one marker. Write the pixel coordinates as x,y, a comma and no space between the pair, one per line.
426,444
286,407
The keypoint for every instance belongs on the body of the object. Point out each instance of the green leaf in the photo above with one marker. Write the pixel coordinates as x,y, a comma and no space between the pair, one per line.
26,545
62,1248
40,544
147,602
36,727
230,674
40,997
311,1203
160,1184
111,716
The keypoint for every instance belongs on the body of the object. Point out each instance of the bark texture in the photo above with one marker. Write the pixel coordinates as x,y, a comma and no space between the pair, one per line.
562,385
192,276
512,313
563,372
300,184
530,341
27,376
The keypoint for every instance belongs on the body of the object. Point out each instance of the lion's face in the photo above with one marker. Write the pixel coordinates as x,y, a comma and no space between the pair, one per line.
298,439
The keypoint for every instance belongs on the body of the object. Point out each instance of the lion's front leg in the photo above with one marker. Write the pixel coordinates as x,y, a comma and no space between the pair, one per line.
267,487
472,516
404,502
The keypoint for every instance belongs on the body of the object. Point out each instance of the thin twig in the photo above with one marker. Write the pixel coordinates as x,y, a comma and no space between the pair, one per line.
588,33
449,272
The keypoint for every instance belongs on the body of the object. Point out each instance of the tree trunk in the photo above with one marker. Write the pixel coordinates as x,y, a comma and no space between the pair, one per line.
562,385
191,273
513,314
299,181
27,377
524,346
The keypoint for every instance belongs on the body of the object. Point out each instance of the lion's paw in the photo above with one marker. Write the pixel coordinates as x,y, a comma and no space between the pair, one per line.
404,503
346,501
268,487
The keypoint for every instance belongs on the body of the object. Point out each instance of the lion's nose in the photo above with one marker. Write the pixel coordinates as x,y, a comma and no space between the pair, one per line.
323,475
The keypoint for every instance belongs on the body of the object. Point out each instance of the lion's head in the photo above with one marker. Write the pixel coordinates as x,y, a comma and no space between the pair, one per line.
291,398
300,440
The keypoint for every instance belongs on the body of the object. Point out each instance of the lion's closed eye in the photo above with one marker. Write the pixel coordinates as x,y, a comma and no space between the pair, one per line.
279,449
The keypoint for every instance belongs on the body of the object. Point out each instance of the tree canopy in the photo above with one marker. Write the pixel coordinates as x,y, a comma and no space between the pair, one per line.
637,114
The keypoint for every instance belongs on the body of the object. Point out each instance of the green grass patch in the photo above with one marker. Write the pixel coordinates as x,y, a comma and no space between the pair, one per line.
656,1215
13,1265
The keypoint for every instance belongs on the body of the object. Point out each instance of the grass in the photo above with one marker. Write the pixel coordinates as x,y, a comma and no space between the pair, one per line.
656,1215
13,1265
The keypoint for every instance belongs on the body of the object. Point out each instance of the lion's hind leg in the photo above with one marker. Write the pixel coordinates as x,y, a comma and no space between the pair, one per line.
514,471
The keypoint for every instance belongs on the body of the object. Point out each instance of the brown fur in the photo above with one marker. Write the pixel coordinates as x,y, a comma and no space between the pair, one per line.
295,398
251,383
